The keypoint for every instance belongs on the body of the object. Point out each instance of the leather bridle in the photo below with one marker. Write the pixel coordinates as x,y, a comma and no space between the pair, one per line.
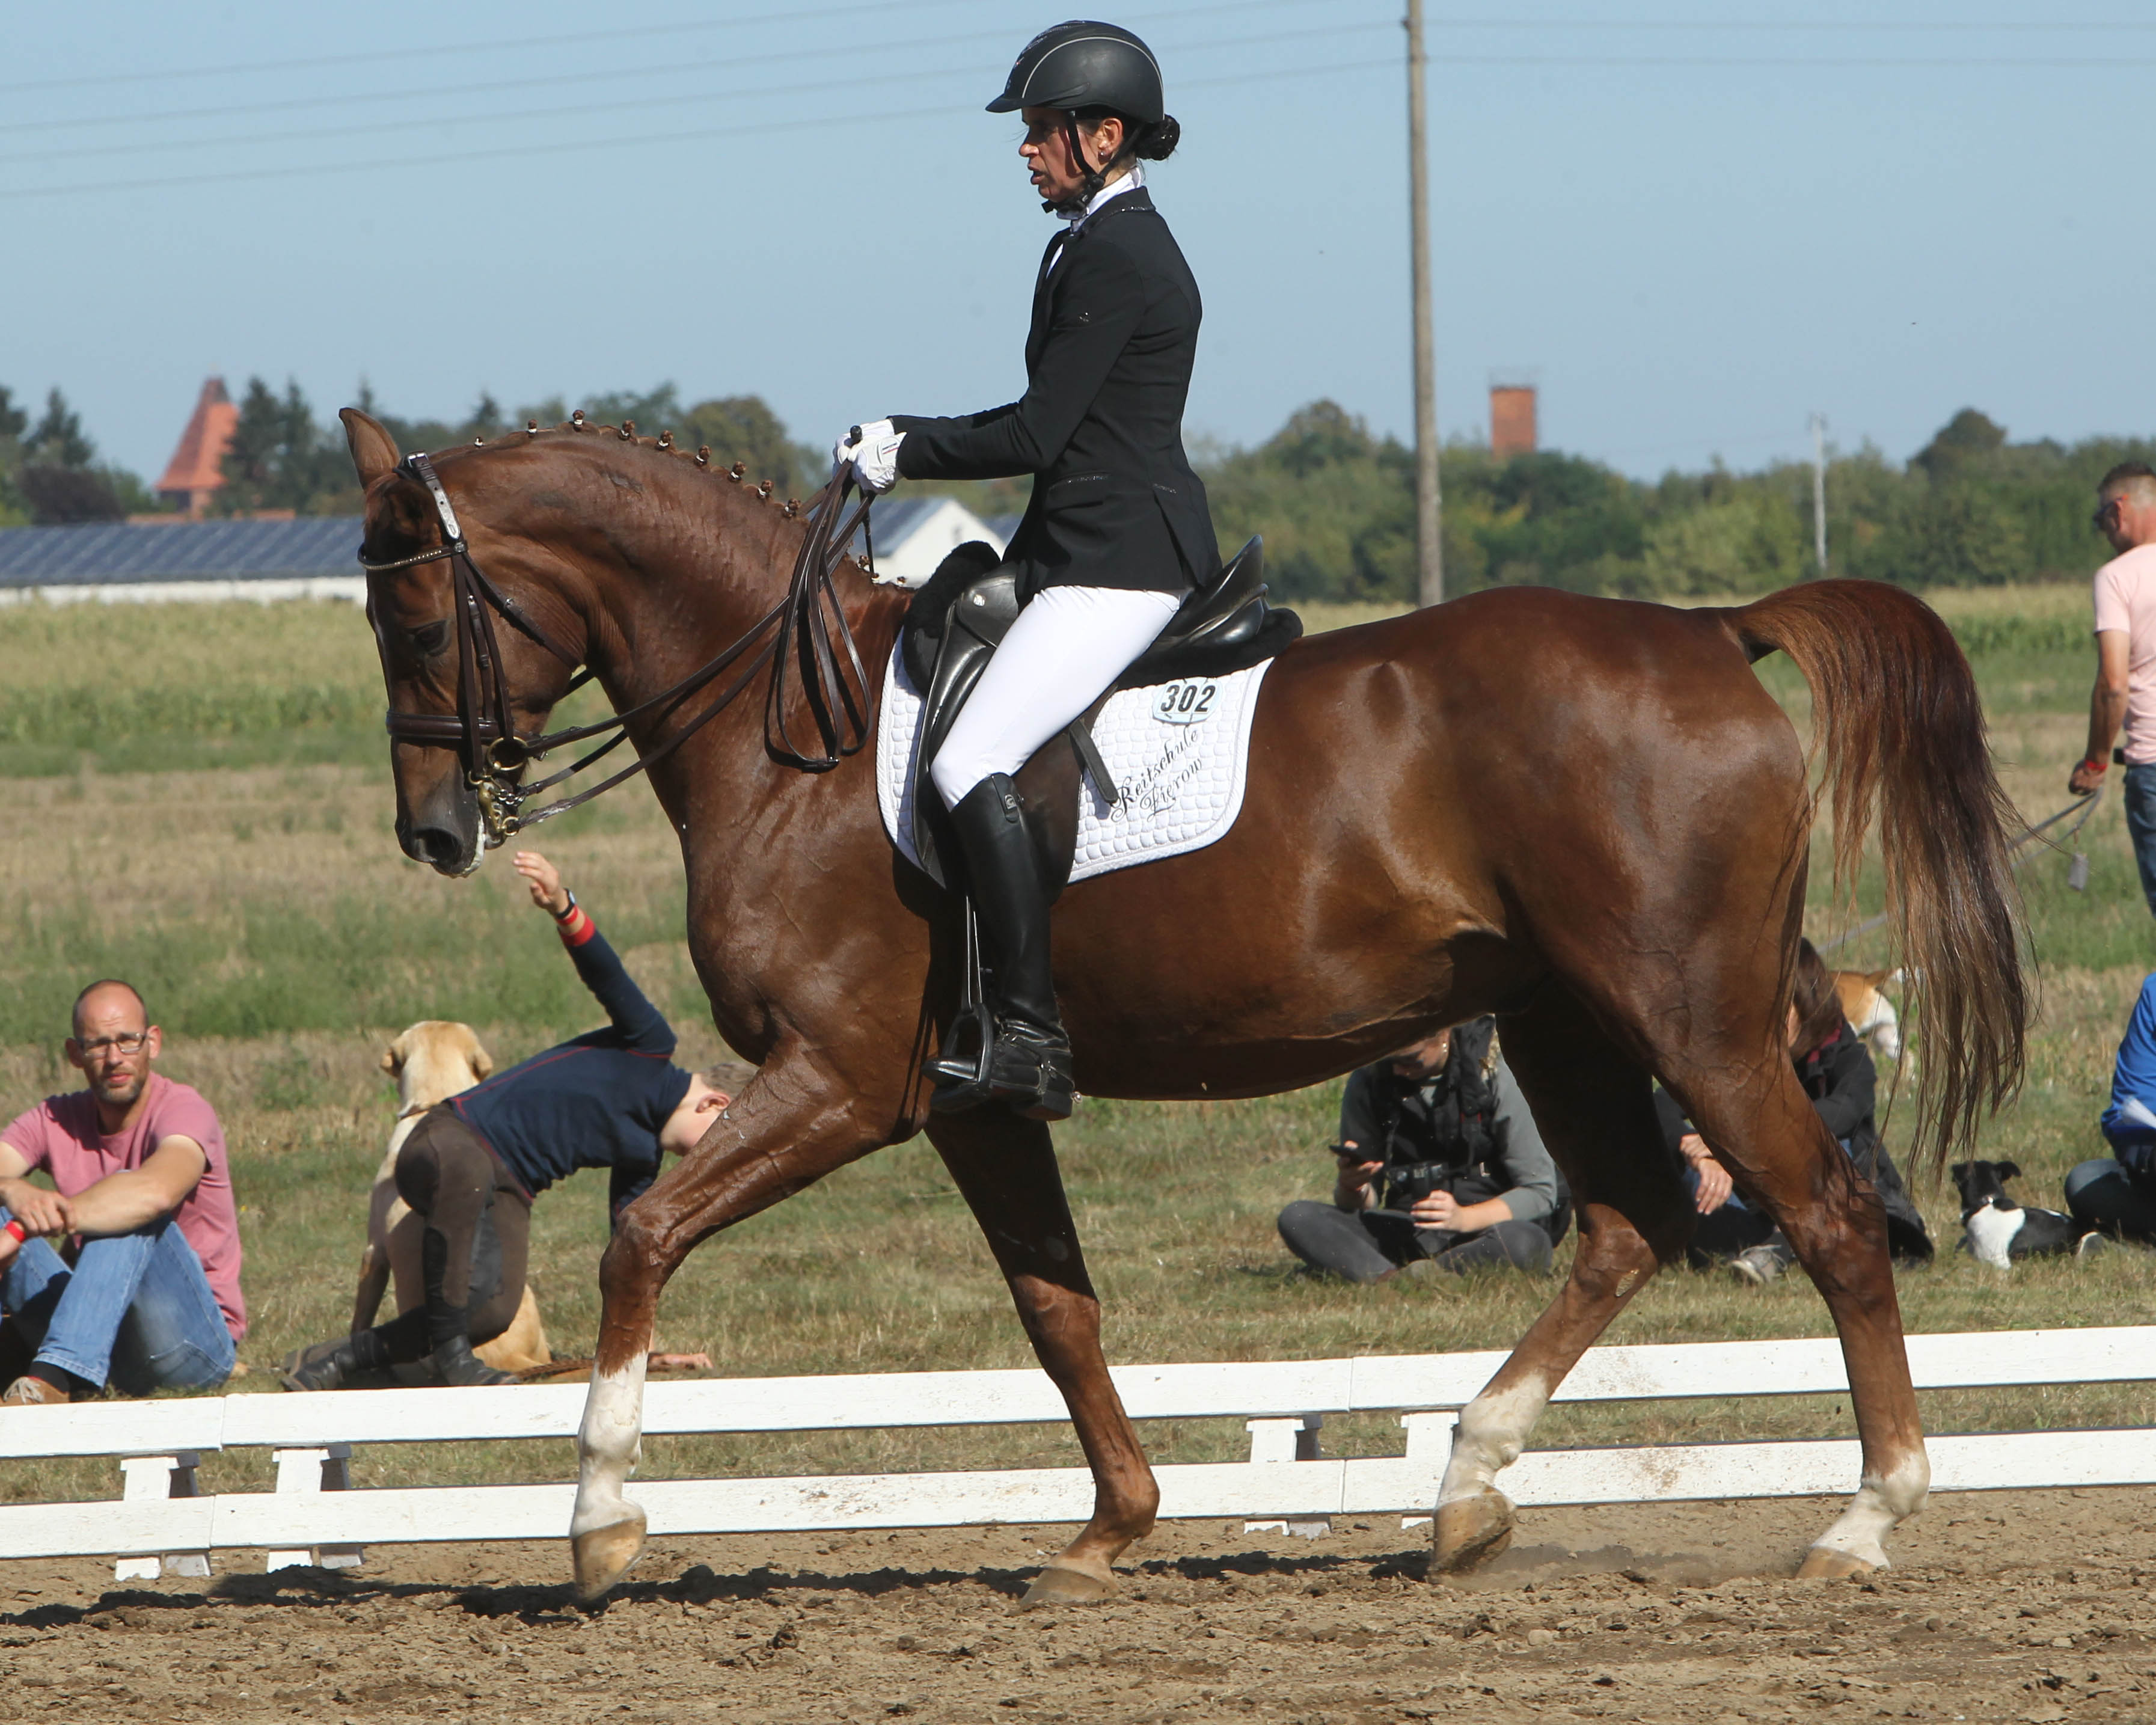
483,728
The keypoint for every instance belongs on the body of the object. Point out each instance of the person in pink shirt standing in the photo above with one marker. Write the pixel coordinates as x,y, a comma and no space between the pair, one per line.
2125,691
138,1164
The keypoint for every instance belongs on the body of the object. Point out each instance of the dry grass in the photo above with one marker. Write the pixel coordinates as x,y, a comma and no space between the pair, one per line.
281,938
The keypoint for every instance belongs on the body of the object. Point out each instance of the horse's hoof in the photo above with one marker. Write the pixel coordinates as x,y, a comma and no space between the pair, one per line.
602,1555
1064,1583
1470,1531
1823,1562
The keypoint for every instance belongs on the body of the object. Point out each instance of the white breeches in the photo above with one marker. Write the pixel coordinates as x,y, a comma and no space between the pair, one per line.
1068,644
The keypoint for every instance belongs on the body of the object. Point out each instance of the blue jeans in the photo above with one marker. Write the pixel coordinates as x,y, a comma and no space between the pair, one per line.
2141,822
135,1311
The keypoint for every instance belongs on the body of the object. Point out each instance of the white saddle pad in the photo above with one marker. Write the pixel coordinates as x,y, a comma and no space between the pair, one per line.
1179,754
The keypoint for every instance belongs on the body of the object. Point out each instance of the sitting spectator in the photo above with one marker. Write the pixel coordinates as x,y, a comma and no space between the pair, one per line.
151,1299
610,1099
1467,1183
1836,1069
2116,1195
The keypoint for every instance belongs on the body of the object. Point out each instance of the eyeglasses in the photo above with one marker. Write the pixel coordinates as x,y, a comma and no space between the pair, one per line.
2106,513
127,1042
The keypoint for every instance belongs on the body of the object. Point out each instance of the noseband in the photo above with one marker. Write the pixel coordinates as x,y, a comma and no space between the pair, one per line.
483,729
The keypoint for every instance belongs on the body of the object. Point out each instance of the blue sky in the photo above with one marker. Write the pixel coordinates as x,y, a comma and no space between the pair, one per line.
1693,224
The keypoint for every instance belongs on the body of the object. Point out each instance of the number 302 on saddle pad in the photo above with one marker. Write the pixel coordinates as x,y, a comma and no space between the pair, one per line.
1178,752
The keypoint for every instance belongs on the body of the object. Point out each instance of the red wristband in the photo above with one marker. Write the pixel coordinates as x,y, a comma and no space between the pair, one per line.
2091,763
13,1226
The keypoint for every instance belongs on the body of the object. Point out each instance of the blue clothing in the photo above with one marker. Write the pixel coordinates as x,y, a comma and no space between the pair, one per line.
2140,800
598,1100
2133,1082
135,1311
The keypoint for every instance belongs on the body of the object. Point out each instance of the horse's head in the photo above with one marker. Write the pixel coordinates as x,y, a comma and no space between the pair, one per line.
427,665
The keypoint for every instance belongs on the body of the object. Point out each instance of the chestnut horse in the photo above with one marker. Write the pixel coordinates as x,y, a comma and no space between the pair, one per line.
1583,814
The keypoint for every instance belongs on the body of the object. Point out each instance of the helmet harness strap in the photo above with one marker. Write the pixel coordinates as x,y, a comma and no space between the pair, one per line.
1093,178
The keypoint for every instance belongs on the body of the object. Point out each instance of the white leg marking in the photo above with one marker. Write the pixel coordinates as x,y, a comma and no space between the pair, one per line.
609,1444
1492,1430
1882,1501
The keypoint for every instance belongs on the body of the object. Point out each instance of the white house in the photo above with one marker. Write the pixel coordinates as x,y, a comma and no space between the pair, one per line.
913,535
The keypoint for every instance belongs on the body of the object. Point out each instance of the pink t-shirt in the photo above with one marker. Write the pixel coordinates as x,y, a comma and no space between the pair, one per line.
2126,600
60,1135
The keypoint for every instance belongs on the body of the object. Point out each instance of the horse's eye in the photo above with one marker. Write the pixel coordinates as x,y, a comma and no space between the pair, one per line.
428,638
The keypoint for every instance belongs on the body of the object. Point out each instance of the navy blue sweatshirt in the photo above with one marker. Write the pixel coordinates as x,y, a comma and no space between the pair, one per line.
595,1101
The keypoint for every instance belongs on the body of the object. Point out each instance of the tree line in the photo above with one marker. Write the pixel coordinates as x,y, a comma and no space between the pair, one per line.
1335,502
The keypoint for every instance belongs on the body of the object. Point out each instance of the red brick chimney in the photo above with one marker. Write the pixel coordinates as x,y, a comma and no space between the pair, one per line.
1511,420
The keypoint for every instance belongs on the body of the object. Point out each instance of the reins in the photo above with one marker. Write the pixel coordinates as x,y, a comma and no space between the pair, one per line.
798,627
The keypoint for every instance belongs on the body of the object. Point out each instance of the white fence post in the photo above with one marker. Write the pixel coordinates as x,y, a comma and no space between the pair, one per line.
1429,1446
160,1476
1287,1441
324,1469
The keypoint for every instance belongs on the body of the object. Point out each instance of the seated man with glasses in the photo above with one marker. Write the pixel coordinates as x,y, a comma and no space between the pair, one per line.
151,1299
2125,692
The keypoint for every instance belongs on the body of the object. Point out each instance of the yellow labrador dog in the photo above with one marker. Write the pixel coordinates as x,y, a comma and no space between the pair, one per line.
1870,1012
431,1062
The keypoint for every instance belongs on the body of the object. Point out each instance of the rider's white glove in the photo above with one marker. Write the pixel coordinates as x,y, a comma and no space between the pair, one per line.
873,451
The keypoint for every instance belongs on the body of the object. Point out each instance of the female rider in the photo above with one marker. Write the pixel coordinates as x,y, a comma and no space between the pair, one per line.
1116,533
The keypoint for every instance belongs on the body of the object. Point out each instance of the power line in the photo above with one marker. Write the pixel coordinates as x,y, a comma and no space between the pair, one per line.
435,50
636,103
458,91
440,159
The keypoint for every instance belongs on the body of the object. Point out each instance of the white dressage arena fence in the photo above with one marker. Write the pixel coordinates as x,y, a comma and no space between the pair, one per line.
162,1522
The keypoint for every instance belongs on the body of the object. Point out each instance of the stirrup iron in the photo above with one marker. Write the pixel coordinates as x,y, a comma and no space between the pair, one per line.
962,1078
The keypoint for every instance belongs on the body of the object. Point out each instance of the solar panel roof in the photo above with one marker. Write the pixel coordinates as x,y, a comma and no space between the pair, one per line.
98,553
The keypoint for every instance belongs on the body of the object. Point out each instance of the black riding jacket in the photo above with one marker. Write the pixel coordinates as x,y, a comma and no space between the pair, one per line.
1115,334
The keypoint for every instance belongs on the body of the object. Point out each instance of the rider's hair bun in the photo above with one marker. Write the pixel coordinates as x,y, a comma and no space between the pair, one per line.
1160,139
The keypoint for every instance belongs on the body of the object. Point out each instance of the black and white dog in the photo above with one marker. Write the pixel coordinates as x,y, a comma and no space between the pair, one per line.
2000,1231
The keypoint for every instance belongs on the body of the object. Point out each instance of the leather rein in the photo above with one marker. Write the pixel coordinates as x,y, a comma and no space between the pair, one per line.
798,631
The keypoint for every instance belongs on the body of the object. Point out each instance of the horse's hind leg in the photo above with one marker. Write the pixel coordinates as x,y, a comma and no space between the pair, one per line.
1780,1151
1595,1107
1005,1166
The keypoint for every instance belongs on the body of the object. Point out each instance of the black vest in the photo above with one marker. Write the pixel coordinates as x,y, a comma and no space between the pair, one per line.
1440,1135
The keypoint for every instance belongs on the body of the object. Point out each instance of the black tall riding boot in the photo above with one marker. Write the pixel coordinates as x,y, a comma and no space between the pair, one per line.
449,1328
1030,1064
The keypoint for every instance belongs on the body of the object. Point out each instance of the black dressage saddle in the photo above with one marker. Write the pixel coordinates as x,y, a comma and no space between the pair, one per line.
957,618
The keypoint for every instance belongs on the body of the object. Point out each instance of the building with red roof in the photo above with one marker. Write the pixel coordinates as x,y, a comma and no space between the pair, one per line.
195,472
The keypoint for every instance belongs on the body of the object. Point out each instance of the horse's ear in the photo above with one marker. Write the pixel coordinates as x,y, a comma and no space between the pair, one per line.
373,450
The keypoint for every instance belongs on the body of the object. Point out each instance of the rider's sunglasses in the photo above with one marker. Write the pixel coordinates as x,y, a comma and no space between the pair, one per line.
2106,514
127,1042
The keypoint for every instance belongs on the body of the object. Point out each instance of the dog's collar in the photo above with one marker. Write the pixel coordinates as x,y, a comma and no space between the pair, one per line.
417,1108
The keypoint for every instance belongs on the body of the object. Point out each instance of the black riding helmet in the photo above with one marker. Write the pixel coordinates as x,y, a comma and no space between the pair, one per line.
1086,67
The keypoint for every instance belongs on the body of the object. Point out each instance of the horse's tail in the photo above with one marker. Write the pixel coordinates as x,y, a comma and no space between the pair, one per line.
1900,726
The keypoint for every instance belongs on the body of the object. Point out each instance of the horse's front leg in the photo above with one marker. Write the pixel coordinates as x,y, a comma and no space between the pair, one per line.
791,1126
1005,1168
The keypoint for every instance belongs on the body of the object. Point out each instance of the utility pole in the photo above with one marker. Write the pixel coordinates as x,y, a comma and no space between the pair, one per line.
1429,542
1819,488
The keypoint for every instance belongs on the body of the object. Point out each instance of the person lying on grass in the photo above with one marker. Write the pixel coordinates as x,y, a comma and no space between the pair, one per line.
609,1099
149,1296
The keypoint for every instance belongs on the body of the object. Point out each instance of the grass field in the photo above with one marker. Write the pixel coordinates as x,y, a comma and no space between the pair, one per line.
225,841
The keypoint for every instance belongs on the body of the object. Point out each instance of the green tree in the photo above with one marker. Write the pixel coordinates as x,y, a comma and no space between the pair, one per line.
743,428
58,440
279,458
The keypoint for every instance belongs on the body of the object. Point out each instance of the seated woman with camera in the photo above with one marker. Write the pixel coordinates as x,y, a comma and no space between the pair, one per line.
1441,1170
